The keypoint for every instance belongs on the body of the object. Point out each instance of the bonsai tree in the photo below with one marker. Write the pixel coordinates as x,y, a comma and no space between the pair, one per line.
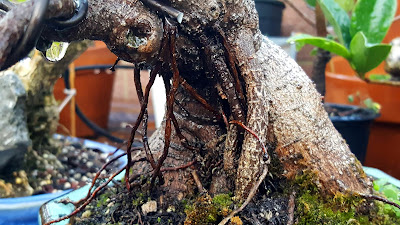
240,113
358,37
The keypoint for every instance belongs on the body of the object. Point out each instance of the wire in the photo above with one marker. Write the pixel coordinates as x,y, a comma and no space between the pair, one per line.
77,18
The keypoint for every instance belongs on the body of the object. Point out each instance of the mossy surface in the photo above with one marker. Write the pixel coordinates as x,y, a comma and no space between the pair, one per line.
314,208
207,210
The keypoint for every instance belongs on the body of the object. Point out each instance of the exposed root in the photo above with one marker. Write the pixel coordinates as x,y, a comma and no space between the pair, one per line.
381,199
252,193
172,32
143,109
179,167
80,208
139,92
264,149
200,99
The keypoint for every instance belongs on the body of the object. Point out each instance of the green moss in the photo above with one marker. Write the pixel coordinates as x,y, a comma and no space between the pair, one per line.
312,207
102,200
139,200
207,210
222,201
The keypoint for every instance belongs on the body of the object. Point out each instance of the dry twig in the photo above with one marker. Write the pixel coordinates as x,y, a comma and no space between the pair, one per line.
291,207
252,193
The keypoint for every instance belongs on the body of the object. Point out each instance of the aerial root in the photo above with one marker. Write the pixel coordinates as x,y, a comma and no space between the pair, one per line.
143,109
139,92
90,196
232,64
171,31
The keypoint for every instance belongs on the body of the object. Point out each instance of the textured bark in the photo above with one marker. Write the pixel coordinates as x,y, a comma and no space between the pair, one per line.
281,103
283,107
16,21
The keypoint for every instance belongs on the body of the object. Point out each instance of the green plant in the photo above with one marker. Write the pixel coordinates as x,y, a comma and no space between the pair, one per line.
367,103
391,192
358,37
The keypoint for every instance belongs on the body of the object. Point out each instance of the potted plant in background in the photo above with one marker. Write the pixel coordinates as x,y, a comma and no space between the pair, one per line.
358,40
93,87
270,16
383,147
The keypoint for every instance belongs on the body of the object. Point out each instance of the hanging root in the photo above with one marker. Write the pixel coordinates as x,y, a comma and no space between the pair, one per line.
171,30
143,109
139,92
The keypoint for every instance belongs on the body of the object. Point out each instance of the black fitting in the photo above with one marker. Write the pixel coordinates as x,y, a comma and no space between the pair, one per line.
81,10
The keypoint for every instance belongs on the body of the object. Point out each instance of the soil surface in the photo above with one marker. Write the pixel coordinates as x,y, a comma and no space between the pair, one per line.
115,205
73,167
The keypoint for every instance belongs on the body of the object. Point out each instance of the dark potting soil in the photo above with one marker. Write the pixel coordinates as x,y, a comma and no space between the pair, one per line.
115,205
349,114
73,167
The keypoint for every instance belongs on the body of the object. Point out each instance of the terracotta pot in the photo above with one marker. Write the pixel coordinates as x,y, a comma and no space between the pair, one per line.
94,90
384,142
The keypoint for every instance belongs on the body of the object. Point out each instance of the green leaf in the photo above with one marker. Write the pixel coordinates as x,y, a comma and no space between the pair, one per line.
378,184
380,77
339,20
373,18
324,43
347,5
391,192
350,98
311,2
365,56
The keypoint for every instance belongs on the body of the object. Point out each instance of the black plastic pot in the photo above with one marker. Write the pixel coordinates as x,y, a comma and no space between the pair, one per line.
270,14
354,127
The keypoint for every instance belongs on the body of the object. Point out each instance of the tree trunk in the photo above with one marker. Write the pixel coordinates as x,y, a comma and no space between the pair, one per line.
280,103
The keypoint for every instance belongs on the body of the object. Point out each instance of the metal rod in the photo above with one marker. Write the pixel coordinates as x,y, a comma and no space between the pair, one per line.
172,12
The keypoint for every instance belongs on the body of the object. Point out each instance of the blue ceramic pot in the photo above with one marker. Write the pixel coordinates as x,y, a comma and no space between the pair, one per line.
25,210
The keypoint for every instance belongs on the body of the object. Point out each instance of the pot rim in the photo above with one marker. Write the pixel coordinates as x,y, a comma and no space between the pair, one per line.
370,114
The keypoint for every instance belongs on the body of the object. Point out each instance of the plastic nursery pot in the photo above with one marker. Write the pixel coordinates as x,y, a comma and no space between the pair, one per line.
24,210
270,16
354,127
94,90
384,142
